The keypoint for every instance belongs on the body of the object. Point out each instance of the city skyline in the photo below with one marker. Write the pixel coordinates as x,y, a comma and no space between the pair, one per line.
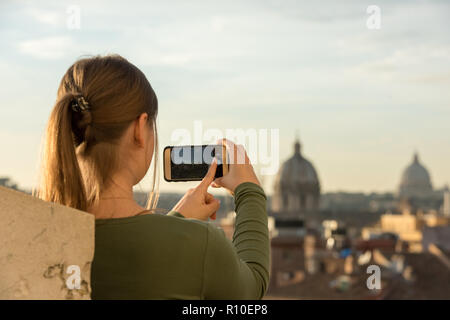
363,100
139,188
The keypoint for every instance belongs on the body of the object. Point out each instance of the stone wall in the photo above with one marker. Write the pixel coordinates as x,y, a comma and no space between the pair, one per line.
42,246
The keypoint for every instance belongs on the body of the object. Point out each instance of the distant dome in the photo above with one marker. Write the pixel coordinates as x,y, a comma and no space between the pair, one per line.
297,186
415,181
297,172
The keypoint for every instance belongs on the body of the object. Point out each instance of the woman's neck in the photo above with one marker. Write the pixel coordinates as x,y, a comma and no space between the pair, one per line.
116,202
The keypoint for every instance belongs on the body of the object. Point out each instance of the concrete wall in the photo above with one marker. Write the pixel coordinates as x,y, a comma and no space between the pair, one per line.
38,243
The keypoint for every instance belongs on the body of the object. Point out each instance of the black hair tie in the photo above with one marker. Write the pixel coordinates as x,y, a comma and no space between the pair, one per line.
79,104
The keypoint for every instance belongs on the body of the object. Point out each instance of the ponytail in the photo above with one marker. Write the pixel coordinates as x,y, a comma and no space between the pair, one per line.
61,179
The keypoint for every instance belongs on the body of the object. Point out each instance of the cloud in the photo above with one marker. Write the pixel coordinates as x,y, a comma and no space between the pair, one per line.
433,78
46,48
218,24
52,18
417,63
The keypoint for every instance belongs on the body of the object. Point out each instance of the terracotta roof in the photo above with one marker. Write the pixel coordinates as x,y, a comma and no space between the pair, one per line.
431,280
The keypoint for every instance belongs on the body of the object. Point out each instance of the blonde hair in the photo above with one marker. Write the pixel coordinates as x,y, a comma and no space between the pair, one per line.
80,147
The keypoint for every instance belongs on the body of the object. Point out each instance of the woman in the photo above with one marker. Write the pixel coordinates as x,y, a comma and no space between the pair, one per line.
100,141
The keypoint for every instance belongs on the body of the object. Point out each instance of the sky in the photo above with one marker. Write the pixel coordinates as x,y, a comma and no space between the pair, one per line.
361,100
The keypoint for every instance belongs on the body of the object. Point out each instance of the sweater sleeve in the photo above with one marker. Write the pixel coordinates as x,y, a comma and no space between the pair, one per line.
175,214
239,269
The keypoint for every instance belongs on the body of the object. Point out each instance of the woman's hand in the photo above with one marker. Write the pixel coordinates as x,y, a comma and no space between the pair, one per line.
197,203
240,168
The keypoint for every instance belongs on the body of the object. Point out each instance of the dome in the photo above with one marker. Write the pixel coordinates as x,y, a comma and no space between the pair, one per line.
298,171
415,181
297,184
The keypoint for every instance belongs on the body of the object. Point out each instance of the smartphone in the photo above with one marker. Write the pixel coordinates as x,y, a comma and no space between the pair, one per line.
191,163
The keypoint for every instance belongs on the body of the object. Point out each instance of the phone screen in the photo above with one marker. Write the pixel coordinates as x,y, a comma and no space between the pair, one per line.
192,162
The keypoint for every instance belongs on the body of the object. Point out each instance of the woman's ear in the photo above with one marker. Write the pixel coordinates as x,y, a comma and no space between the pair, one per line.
140,129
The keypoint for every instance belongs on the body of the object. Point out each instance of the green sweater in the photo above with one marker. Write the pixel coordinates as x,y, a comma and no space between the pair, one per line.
158,256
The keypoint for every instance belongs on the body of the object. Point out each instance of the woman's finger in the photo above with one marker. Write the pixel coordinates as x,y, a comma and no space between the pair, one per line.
213,205
209,197
212,202
209,177
215,185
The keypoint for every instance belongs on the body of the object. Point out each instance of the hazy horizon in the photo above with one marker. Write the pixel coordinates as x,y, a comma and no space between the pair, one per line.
363,101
